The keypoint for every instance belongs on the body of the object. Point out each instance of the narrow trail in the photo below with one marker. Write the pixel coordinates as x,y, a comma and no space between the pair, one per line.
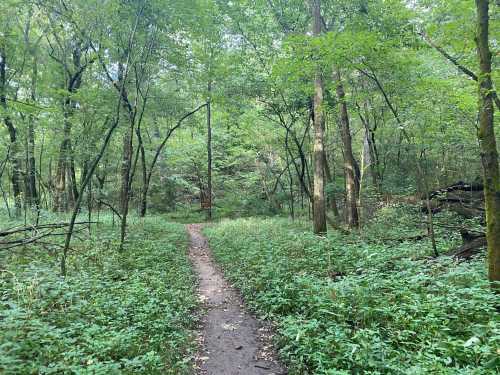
233,342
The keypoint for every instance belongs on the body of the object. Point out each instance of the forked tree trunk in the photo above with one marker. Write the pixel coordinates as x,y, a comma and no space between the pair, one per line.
319,206
487,144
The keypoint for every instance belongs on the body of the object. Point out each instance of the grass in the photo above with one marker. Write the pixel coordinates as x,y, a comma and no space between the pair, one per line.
116,312
361,303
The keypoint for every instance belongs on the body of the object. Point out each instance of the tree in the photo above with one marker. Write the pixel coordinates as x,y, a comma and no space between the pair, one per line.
351,168
15,155
319,205
487,142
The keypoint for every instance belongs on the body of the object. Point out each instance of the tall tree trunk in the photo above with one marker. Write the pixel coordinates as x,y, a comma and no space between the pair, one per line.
145,182
31,178
31,189
127,152
487,143
209,153
14,157
125,177
319,206
351,168
66,191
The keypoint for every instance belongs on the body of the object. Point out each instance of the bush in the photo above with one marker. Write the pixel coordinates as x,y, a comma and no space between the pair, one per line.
116,312
353,304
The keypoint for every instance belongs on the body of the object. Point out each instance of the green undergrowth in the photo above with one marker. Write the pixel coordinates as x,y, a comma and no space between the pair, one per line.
363,303
115,312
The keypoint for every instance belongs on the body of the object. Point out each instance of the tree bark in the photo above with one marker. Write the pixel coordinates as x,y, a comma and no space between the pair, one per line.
319,206
143,204
487,144
125,179
66,191
370,148
31,178
351,168
14,157
209,153
31,188
330,180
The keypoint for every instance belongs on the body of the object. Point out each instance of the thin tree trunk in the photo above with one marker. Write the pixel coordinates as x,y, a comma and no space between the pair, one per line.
487,143
160,148
125,181
430,219
351,168
209,153
145,183
319,206
31,190
290,184
84,184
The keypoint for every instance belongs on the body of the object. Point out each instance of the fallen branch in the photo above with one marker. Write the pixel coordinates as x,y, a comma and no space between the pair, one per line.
109,205
23,241
35,228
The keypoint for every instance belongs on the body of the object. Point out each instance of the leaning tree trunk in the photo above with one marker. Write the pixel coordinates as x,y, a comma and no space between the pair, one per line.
487,143
351,168
319,206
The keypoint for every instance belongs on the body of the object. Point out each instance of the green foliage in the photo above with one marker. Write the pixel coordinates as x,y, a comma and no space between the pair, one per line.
363,303
116,312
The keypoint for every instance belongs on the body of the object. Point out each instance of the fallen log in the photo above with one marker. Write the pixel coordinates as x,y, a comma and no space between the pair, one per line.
457,186
472,244
465,199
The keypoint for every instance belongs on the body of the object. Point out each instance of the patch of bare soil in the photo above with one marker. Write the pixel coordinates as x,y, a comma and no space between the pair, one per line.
232,341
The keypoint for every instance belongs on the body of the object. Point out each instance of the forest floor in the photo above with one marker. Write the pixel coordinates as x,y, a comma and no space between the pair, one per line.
232,341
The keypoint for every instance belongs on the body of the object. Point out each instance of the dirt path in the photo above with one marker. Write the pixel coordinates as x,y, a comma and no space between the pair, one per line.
232,341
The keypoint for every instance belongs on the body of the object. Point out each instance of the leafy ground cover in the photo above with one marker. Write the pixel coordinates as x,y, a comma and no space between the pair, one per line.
115,313
361,303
